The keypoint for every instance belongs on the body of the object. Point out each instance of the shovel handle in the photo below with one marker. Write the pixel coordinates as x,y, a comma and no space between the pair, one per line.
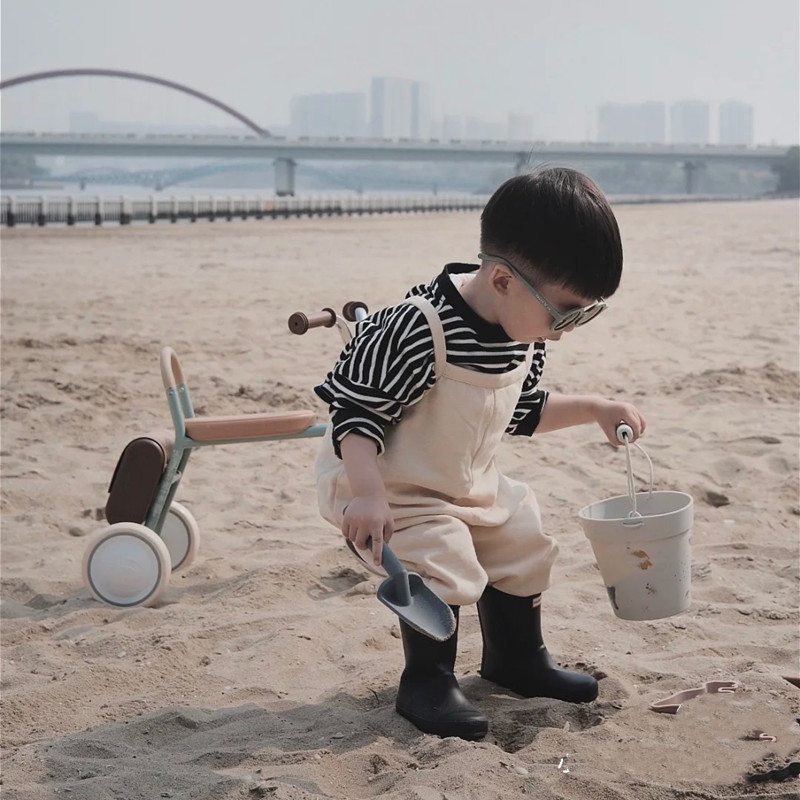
397,572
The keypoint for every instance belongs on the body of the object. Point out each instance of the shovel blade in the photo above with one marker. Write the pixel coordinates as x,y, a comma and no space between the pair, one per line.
426,613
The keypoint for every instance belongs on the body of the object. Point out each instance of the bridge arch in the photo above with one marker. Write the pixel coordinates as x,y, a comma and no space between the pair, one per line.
136,76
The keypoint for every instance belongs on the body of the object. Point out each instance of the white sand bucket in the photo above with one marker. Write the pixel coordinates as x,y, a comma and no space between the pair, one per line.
641,544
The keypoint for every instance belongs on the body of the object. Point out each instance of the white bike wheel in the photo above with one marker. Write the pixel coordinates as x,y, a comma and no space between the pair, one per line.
126,564
181,534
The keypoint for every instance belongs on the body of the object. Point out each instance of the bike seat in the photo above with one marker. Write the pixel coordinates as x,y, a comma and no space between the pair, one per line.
248,426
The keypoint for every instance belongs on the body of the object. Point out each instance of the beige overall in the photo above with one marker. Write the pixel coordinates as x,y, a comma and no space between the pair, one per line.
458,521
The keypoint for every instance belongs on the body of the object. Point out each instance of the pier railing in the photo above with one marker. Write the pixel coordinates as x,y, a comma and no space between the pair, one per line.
74,210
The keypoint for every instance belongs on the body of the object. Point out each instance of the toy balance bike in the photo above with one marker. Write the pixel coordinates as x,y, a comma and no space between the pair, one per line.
150,535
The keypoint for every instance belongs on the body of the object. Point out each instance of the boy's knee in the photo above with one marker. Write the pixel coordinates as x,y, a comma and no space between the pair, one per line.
461,590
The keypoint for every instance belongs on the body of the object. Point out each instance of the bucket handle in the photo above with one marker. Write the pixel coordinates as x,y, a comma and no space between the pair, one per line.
625,434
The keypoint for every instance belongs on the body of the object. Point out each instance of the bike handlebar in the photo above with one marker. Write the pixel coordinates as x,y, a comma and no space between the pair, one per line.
349,312
300,323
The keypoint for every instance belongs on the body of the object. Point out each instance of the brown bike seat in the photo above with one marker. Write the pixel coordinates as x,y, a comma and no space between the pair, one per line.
248,426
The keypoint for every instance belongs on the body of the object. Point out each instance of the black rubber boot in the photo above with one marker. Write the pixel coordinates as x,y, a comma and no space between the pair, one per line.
514,655
429,695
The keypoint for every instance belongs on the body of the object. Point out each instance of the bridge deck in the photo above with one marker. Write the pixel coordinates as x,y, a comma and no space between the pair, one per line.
372,149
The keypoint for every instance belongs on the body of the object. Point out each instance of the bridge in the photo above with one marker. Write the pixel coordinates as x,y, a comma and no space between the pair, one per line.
175,175
286,152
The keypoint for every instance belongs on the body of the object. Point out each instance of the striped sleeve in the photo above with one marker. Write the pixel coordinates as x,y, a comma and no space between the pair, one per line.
387,366
532,400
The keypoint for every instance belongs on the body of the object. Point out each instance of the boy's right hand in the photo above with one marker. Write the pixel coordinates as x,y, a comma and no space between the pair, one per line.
368,516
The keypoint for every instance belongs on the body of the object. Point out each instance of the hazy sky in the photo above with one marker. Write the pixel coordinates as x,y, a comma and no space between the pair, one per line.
556,60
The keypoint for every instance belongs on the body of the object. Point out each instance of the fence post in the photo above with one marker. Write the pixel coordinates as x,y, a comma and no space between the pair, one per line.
73,210
11,217
41,216
98,211
193,218
125,211
174,213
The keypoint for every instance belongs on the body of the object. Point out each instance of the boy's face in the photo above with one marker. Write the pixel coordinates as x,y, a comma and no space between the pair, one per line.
524,316
531,313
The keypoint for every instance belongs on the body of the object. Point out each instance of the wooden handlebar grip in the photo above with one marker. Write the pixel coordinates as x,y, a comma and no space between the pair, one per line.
299,322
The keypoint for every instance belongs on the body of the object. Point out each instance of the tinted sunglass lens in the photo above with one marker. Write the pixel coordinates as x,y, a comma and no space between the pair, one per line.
590,314
572,318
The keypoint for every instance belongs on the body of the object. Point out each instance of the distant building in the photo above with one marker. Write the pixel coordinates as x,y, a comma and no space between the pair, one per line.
632,123
420,111
390,108
399,109
520,128
452,127
480,130
84,122
323,115
689,122
735,123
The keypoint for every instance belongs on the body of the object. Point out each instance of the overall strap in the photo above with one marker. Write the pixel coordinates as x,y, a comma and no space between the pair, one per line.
435,324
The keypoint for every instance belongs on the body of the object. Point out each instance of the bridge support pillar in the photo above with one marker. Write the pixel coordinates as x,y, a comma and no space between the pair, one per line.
690,170
284,177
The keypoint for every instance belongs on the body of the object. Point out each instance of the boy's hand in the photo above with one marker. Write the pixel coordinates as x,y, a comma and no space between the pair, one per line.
610,413
369,516
368,513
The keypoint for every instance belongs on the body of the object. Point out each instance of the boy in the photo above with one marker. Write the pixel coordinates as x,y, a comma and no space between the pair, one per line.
419,400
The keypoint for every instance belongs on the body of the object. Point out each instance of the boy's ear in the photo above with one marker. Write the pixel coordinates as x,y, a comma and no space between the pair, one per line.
500,279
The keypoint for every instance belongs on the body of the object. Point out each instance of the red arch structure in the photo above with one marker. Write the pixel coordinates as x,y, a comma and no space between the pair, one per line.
135,76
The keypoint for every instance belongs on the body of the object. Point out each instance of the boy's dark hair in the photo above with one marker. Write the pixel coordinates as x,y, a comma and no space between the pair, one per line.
555,226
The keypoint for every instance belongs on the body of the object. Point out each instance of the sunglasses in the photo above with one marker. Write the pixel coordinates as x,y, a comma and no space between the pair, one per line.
561,319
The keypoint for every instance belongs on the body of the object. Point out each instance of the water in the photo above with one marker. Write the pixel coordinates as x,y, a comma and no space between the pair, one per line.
114,192
132,192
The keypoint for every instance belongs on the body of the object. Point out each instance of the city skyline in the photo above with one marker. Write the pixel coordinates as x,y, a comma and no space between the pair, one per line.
731,122
553,62
350,114
690,121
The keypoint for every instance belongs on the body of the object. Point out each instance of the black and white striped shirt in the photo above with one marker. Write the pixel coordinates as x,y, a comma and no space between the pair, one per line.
389,364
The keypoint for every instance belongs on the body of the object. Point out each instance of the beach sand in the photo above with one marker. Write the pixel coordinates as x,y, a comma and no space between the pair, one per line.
269,667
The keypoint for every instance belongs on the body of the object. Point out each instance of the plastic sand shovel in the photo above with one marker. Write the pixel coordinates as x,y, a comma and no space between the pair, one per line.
406,594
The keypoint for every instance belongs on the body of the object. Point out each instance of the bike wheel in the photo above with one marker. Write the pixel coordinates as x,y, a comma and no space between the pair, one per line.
181,534
126,564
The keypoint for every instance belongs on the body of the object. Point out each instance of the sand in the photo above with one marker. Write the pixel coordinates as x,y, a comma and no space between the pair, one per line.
269,667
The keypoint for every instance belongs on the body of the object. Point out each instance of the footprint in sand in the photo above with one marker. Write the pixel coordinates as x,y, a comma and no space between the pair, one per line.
517,729
725,471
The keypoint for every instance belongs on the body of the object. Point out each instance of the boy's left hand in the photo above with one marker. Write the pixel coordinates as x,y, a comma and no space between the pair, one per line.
610,413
